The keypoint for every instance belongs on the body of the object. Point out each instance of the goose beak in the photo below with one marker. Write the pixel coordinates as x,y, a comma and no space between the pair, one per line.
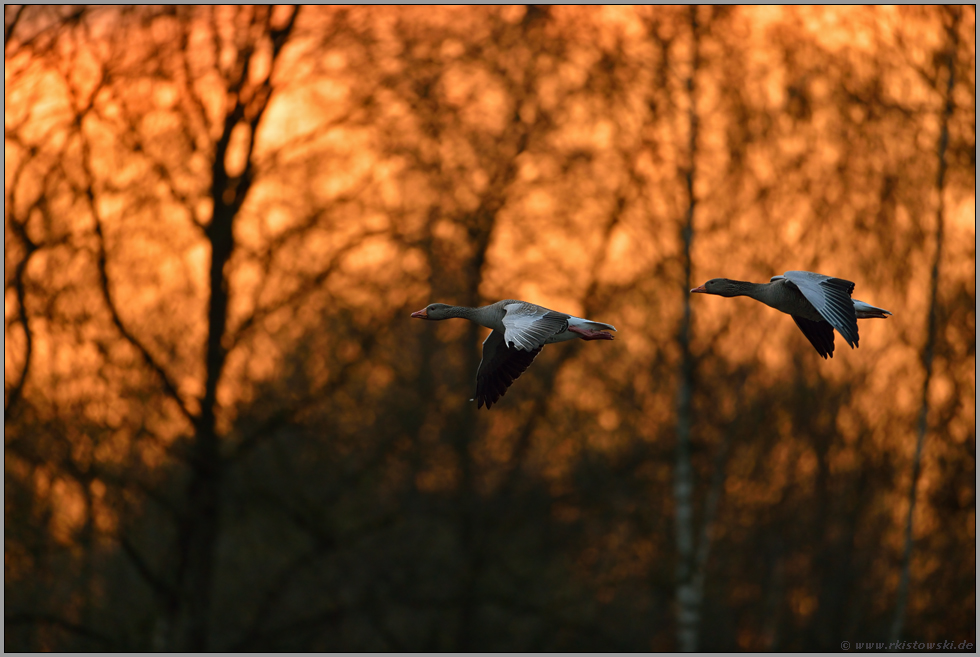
420,314
699,289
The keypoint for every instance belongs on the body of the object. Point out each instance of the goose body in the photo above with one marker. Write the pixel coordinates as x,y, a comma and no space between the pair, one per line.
818,304
518,331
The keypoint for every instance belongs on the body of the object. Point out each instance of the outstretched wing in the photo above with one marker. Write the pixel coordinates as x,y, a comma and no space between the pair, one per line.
500,367
820,335
832,299
527,326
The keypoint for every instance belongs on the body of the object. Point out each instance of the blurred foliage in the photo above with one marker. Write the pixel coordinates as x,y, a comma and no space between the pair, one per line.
352,165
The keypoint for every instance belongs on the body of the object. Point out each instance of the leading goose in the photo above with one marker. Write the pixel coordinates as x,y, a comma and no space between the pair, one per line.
818,304
519,330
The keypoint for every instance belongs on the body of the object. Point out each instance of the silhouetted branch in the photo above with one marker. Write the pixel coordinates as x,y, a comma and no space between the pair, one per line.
291,629
302,291
187,82
30,618
286,416
15,391
272,597
275,157
137,144
169,386
38,38
163,591
9,25
89,194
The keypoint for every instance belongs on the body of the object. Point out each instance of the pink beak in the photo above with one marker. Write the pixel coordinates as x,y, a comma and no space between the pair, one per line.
420,314
699,289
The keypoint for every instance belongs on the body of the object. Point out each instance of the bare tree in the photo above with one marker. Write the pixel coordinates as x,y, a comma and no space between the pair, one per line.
688,588
928,349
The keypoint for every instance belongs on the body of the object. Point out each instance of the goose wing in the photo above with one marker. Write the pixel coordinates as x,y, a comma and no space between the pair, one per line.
820,335
831,297
528,326
500,367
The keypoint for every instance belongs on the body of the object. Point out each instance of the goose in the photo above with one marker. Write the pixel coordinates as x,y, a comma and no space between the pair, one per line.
818,304
518,332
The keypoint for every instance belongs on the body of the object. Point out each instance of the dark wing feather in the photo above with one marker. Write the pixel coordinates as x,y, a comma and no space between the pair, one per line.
832,299
820,335
500,367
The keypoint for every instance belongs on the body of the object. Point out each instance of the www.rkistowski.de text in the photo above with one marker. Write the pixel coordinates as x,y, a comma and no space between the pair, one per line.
908,645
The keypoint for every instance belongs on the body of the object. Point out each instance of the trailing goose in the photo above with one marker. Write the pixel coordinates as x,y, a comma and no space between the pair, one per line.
518,332
818,304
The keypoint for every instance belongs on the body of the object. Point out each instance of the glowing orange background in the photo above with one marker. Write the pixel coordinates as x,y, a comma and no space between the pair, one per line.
463,155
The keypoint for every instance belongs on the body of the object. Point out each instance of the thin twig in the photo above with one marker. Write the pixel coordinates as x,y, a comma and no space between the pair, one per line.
30,618
161,588
168,384
14,394
8,28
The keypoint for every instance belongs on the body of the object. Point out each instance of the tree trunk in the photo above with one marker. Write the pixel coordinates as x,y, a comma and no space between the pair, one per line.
952,35
688,594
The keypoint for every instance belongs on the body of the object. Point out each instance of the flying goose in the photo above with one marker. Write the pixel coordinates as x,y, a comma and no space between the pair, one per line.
818,304
519,331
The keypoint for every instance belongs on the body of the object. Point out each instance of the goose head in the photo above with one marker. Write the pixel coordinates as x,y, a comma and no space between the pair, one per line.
434,311
723,287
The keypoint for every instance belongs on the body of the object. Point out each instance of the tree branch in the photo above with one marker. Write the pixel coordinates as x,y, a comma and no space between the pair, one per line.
8,26
14,394
88,192
305,289
271,598
31,618
159,587
283,417
169,386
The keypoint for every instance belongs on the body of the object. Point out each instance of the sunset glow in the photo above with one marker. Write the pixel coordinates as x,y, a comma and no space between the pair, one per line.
347,165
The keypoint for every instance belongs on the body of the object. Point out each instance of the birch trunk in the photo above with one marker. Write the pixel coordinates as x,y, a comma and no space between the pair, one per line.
952,35
688,597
